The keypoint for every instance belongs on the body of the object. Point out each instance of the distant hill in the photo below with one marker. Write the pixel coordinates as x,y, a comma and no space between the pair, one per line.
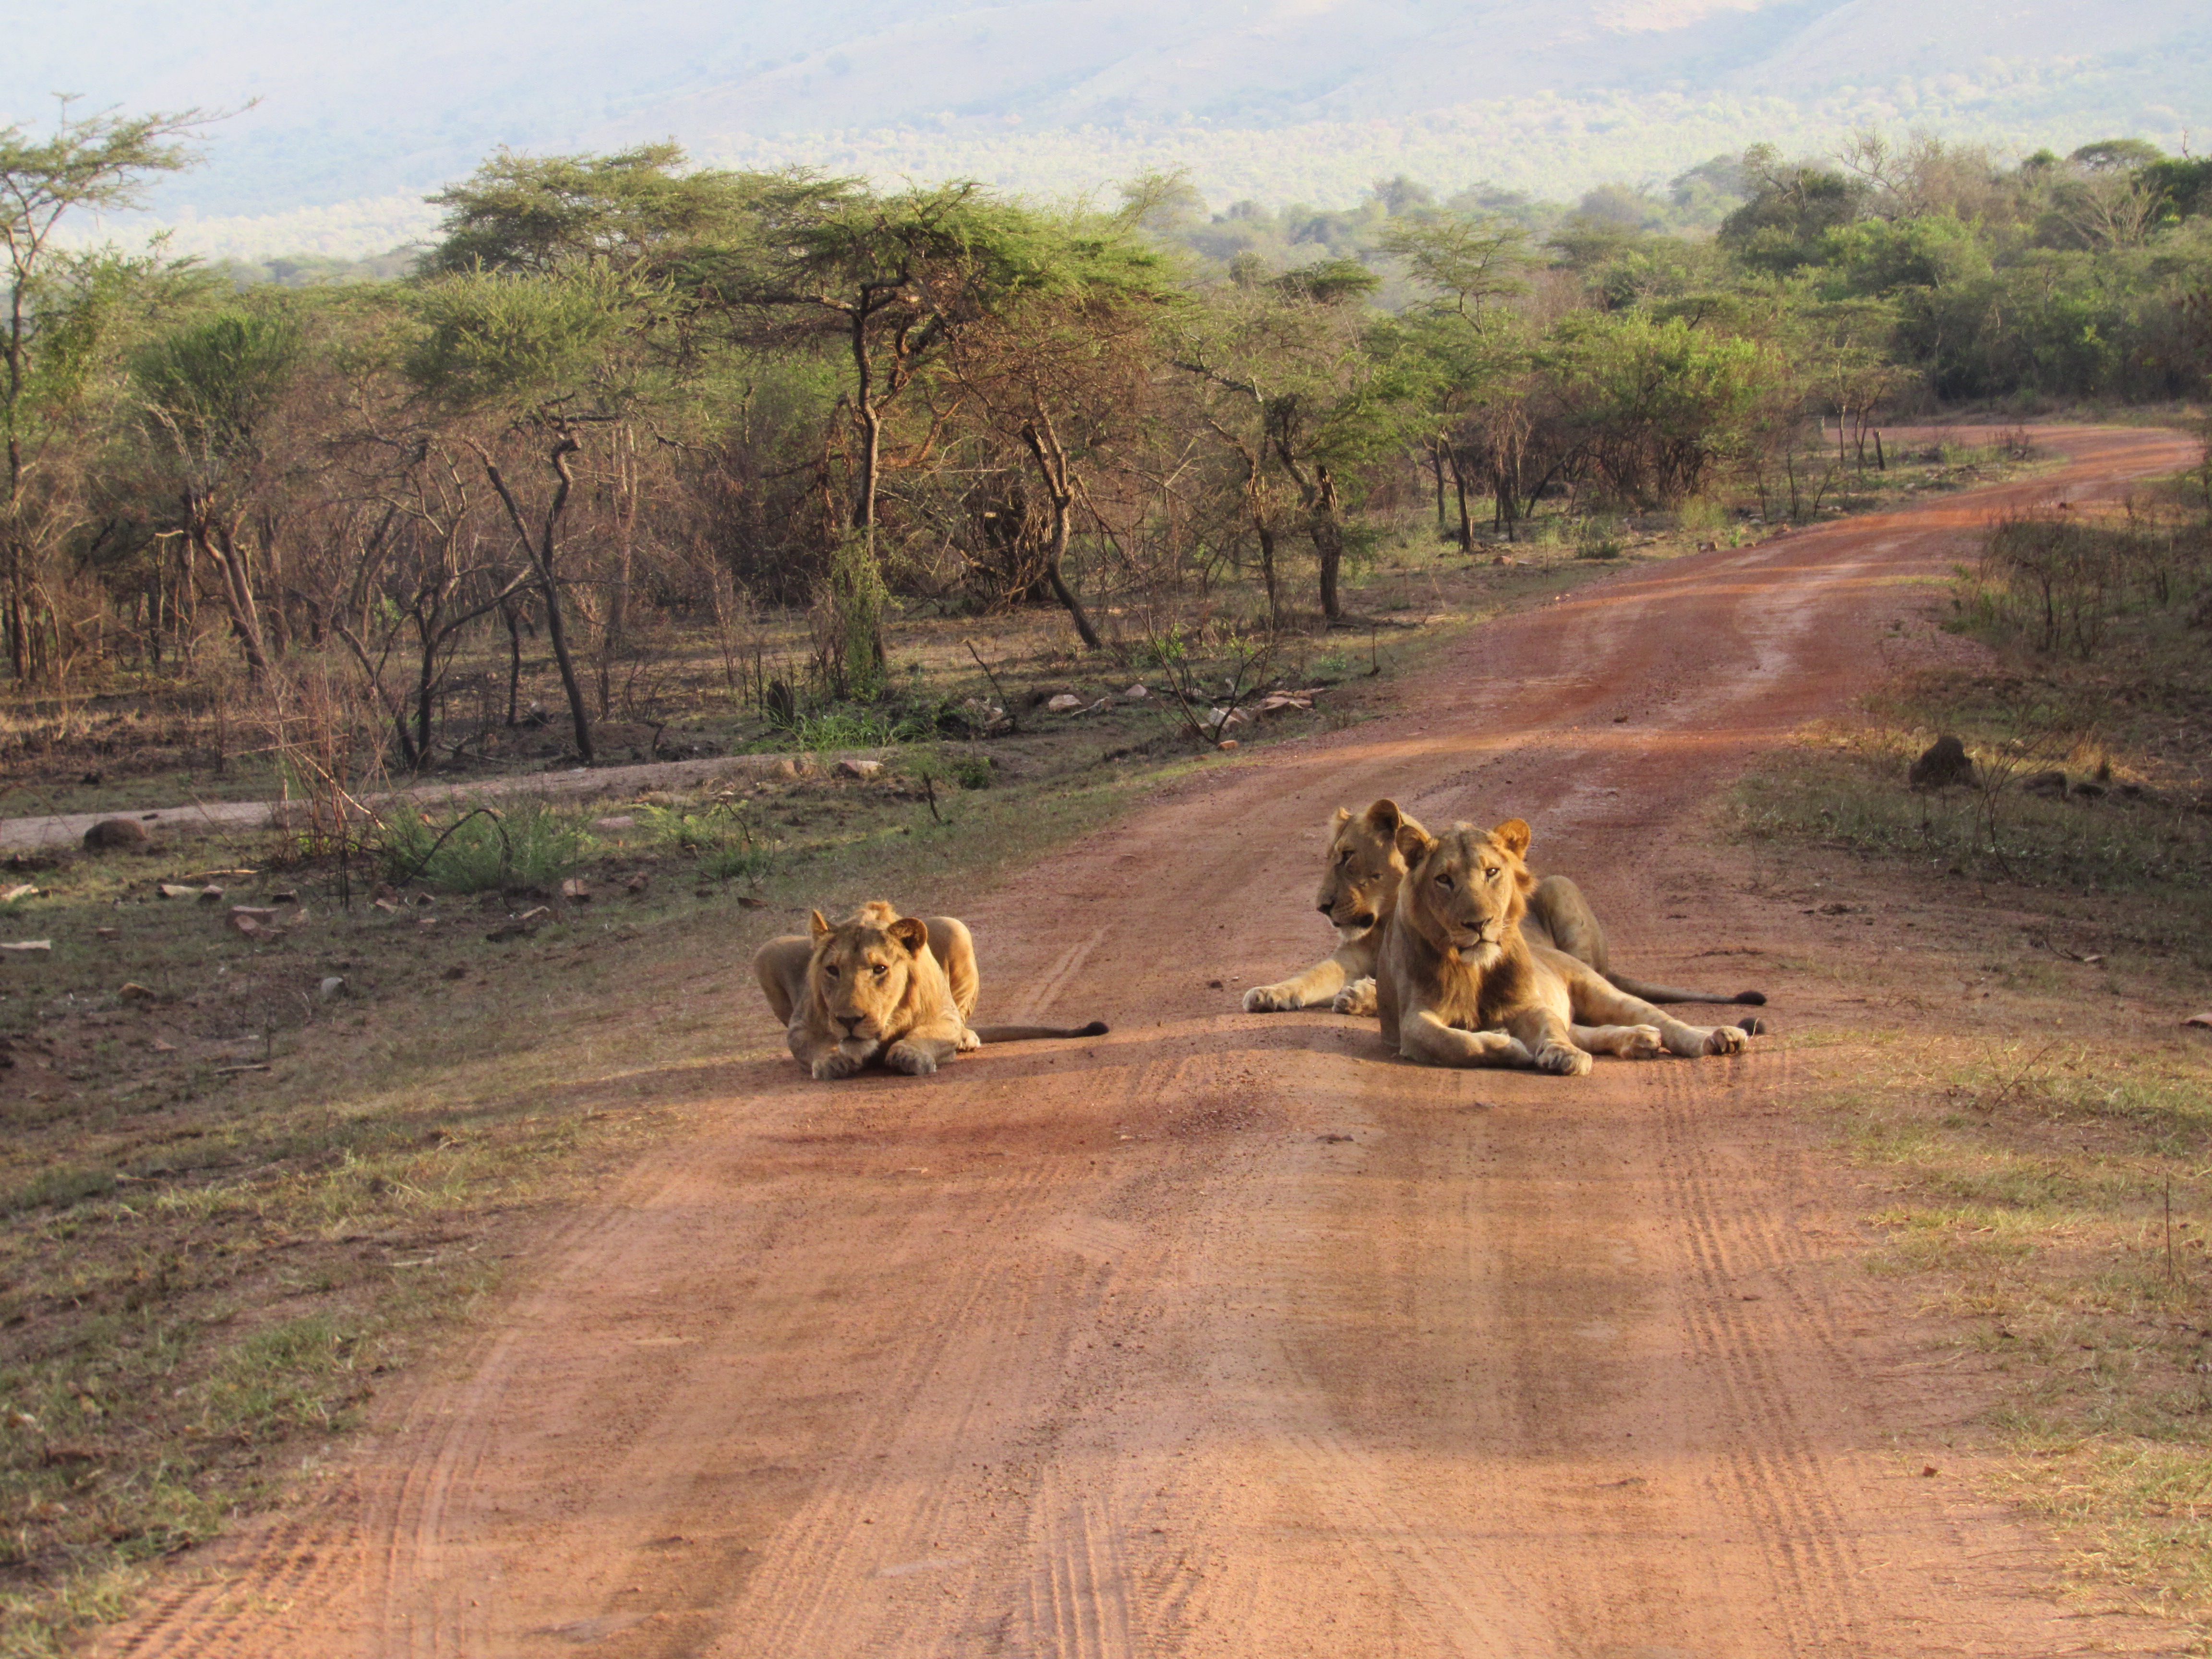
362,108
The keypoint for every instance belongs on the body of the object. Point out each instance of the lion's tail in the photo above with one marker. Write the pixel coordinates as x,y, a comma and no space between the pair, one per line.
1028,1033
1664,993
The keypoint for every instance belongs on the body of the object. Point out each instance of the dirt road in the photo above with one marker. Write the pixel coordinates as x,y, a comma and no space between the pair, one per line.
1228,1334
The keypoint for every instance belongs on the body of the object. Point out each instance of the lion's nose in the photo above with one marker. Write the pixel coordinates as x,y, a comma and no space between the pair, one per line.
1326,909
851,1022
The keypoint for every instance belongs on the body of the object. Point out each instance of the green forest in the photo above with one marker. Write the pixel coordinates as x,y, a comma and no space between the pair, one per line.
622,393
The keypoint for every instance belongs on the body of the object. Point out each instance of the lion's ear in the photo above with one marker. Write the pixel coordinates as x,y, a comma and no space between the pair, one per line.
1414,843
818,924
911,932
1513,836
1384,817
1343,817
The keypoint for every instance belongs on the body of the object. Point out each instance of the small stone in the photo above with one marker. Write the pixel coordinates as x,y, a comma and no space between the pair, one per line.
2203,1019
112,834
618,821
254,913
132,991
26,891
859,769
108,932
1136,694
1943,763
173,890
638,883
1063,702
161,1047
211,894
333,985
454,973
576,891
29,946
1226,743
285,896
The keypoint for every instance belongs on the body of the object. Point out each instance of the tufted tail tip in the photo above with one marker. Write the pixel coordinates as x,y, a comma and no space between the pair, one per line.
1097,1028
1756,998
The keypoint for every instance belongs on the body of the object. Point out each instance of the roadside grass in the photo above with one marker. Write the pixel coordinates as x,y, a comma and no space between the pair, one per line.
2049,1178
2054,1202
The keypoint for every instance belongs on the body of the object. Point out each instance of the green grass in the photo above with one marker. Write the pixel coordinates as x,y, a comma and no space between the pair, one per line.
484,849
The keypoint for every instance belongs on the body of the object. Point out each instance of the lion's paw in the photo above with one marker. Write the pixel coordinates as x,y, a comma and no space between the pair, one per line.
968,1042
1270,999
835,1064
1727,1040
1641,1042
1356,998
1562,1059
913,1061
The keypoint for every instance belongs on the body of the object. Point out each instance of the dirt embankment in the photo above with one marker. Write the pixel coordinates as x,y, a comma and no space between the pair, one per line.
1226,1333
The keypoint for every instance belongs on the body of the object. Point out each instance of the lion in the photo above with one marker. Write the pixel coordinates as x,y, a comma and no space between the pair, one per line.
1359,889
885,988
1458,983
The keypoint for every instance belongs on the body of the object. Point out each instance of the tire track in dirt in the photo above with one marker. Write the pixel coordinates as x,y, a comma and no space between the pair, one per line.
1226,1335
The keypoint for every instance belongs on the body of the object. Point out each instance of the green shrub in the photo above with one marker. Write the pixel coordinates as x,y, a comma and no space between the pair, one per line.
725,842
486,848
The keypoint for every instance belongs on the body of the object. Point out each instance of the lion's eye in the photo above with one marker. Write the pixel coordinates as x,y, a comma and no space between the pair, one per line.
1492,874
830,972
1444,882
882,969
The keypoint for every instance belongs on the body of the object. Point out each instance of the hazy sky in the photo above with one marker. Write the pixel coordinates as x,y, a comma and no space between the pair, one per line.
360,109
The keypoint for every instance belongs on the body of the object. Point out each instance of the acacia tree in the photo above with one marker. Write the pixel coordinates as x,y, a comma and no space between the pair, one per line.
1297,390
210,393
1460,351
899,281
60,307
545,357
1059,370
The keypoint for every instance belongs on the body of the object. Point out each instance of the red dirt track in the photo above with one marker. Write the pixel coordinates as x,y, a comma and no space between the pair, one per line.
1230,1334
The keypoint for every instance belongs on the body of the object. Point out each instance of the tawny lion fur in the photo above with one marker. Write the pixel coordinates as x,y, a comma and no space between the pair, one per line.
1359,889
883,988
1458,983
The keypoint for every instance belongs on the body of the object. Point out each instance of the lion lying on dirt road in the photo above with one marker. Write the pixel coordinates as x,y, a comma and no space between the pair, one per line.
880,987
1359,889
1458,984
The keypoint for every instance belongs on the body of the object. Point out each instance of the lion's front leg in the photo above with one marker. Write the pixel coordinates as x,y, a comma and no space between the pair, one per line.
1317,984
1621,1042
919,1056
1551,1040
1424,1037
1358,997
826,1058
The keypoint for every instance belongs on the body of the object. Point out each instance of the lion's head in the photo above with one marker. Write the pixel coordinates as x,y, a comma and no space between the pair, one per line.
865,974
1466,890
1365,865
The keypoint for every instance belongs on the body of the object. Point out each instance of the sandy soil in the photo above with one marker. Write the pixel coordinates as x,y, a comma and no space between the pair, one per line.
1230,1334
